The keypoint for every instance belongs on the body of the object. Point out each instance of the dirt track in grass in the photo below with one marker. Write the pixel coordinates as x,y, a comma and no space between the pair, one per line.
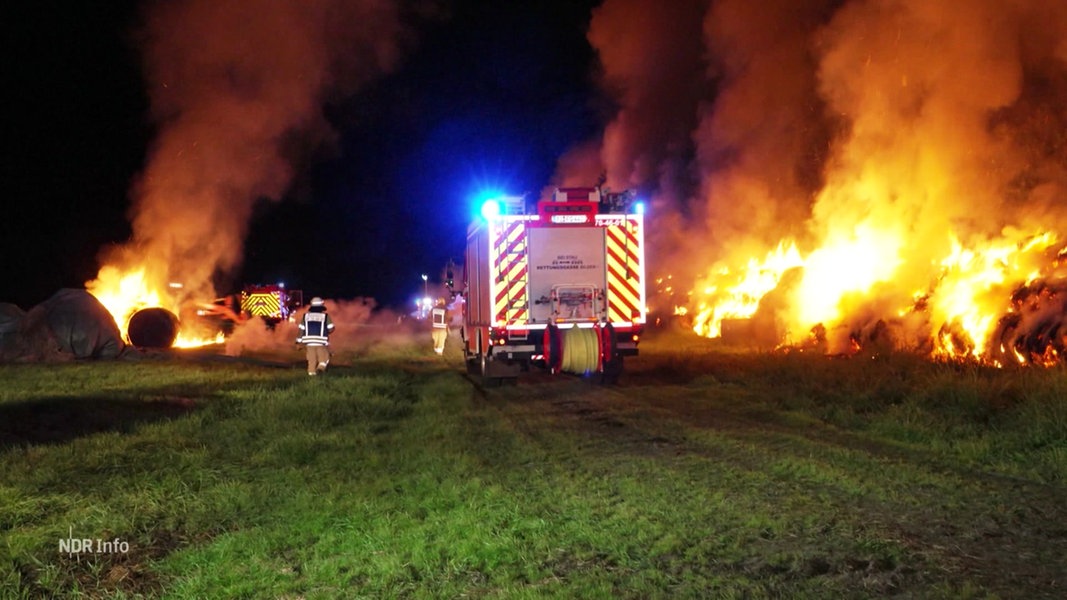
960,528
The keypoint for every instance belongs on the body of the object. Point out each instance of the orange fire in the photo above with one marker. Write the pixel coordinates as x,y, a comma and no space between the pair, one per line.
991,302
123,293
735,293
854,174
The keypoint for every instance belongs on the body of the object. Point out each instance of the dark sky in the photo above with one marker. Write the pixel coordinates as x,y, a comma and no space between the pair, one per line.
489,96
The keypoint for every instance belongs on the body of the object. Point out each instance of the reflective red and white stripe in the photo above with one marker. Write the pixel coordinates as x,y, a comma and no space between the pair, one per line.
510,267
626,271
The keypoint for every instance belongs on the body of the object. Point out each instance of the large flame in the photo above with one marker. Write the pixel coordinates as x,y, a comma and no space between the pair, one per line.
123,293
237,91
971,308
735,293
851,173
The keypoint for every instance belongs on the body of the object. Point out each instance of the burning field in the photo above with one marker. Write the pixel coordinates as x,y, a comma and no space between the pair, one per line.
848,175
825,174
999,304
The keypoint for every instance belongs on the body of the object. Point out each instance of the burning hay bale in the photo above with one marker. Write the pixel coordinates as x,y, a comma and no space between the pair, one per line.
1034,331
153,328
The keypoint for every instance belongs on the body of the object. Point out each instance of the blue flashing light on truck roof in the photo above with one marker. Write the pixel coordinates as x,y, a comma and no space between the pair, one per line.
484,200
490,209
493,207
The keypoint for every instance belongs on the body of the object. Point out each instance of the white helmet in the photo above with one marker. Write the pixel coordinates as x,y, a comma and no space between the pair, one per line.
316,301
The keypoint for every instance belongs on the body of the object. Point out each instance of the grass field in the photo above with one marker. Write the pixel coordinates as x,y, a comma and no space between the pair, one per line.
705,473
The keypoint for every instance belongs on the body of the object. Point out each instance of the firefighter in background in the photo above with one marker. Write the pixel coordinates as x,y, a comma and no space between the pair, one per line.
315,330
439,319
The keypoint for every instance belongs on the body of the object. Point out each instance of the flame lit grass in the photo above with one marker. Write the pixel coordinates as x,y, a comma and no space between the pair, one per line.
983,415
707,469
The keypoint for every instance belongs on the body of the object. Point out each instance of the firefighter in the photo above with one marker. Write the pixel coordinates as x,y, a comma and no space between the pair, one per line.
315,330
439,319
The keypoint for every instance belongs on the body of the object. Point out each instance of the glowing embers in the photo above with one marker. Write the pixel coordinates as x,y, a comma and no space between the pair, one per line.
736,294
1033,331
995,301
983,290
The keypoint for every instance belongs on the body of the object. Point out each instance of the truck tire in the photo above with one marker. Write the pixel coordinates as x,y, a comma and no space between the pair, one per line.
485,365
483,359
611,361
612,371
553,349
471,358
608,345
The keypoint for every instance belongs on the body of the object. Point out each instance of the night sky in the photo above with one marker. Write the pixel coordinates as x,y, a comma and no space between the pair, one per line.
487,95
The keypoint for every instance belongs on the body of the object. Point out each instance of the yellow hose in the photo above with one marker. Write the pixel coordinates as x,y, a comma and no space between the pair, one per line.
580,350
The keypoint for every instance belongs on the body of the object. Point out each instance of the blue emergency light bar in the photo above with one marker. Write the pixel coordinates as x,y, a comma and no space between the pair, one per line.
490,209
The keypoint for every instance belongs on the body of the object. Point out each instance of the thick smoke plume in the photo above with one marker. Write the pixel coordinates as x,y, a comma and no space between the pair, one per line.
237,92
881,136
360,325
651,57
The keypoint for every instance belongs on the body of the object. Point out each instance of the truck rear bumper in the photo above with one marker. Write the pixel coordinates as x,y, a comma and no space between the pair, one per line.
521,352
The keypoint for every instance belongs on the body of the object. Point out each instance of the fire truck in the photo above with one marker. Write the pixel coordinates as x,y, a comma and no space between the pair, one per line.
272,303
561,287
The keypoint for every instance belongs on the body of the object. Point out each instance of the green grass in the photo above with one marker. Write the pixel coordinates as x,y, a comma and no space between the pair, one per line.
1011,420
706,474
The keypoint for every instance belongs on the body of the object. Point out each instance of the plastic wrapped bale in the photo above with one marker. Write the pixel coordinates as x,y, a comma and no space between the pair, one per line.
10,320
153,328
81,325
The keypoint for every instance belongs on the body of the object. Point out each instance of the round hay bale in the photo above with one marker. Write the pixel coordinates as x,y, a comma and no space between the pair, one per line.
153,328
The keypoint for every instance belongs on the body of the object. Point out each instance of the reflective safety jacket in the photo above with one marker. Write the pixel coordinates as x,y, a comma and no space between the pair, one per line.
439,319
315,329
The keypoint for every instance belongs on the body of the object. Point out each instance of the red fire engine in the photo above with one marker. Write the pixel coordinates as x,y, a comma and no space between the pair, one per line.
272,303
562,288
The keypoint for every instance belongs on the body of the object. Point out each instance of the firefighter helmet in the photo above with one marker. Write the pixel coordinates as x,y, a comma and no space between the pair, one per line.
440,302
316,301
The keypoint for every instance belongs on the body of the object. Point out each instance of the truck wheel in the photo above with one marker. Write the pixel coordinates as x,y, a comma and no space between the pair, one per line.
483,359
608,345
471,358
484,366
612,371
553,349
